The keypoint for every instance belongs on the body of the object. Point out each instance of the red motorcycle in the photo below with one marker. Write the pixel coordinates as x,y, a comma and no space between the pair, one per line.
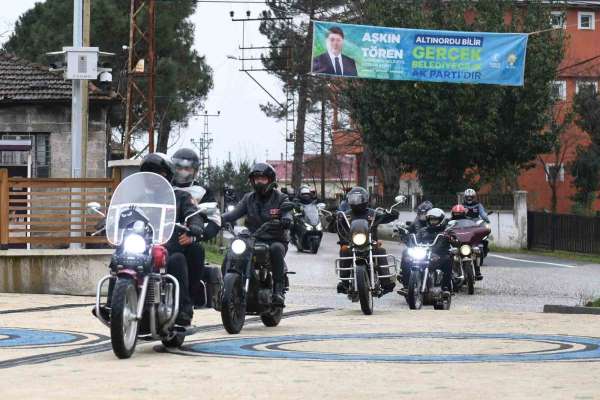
468,251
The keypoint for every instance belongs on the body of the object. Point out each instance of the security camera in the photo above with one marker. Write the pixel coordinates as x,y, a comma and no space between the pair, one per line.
248,13
105,77
231,14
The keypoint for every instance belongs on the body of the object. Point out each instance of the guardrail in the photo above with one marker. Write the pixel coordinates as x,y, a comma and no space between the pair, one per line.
51,212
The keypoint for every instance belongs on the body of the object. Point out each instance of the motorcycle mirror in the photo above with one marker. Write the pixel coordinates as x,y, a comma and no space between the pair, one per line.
95,207
321,206
400,199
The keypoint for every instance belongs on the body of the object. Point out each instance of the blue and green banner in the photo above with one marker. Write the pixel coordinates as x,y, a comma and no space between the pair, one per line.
360,51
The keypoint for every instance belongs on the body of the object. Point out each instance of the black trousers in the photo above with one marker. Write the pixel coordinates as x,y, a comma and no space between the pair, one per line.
177,266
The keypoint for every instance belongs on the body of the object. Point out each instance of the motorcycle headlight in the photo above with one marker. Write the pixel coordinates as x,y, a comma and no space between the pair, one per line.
230,208
238,247
134,244
319,227
359,239
465,250
308,227
417,253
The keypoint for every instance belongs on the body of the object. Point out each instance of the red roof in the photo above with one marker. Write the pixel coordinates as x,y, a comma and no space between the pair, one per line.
340,167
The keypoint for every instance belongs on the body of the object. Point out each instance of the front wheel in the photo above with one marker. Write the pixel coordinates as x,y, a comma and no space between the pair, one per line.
233,304
272,317
414,298
470,278
124,323
364,291
315,246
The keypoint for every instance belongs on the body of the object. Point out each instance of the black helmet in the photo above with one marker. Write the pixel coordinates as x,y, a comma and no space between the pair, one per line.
358,199
263,169
305,194
158,163
435,217
185,158
422,209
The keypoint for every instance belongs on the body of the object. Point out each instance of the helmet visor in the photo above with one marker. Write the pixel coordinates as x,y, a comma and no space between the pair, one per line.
355,199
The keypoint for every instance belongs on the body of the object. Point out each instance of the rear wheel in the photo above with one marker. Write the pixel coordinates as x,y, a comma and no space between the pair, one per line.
470,278
124,323
233,305
364,291
414,298
272,317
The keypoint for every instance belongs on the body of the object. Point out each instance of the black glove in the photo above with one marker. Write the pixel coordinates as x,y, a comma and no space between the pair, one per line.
196,231
286,223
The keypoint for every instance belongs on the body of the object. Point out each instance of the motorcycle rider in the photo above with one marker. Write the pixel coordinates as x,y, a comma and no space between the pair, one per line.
420,220
358,203
458,212
436,224
475,210
186,163
258,207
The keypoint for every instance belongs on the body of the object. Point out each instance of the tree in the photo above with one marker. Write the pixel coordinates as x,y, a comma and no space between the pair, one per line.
561,145
183,77
289,59
231,175
452,135
585,169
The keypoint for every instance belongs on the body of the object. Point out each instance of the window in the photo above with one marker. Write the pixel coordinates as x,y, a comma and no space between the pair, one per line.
40,154
559,90
586,84
586,20
557,19
551,170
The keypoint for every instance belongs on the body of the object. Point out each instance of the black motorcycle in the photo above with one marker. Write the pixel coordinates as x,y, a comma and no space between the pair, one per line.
367,269
248,281
424,281
308,230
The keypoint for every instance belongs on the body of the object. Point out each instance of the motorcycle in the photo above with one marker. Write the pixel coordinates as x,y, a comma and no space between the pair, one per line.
424,282
469,251
248,281
364,276
308,230
145,299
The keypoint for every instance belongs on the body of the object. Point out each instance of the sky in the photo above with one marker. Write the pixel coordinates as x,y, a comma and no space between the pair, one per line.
242,129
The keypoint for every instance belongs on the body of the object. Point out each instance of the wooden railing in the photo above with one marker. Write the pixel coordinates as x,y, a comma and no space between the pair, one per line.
51,212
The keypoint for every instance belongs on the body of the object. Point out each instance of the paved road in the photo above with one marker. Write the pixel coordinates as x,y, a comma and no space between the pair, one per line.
512,282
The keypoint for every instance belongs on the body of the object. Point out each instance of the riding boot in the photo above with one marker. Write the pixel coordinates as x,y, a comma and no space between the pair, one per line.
279,295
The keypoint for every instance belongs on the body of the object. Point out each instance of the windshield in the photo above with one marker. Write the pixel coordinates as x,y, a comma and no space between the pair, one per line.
151,196
462,223
311,214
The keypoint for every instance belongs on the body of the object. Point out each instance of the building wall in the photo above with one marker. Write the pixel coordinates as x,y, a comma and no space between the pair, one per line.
581,45
55,119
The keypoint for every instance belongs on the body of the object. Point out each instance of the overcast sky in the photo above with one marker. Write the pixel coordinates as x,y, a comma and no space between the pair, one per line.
242,128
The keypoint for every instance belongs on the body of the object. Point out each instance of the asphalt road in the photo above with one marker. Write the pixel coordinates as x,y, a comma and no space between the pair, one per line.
511,282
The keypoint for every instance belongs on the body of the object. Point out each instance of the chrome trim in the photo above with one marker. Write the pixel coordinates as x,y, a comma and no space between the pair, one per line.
171,320
142,298
98,298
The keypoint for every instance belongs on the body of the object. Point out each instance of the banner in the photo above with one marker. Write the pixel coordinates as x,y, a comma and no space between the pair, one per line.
374,52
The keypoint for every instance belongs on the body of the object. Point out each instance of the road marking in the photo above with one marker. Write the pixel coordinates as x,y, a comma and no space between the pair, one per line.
532,262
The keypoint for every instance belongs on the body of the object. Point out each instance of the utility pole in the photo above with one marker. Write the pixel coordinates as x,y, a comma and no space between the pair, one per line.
78,96
323,120
203,145
85,98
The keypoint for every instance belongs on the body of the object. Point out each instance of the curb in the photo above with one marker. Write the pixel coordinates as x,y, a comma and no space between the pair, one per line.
556,309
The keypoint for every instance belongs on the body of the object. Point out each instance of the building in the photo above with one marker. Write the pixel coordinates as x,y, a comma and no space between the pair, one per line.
341,173
580,67
35,104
